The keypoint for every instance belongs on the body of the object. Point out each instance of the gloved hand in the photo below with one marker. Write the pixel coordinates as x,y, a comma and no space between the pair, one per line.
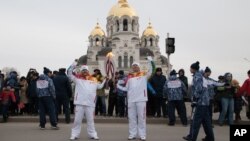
150,58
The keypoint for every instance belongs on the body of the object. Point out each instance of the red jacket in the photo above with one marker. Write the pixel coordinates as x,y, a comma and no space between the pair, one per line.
6,95
245,89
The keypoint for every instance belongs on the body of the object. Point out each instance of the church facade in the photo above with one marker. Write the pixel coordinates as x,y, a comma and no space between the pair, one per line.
123,40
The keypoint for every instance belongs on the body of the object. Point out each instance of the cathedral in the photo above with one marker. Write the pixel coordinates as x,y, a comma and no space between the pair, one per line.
123,40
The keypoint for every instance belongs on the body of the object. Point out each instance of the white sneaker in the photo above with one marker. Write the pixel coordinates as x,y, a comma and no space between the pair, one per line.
143,138
73,138
131,138
94,138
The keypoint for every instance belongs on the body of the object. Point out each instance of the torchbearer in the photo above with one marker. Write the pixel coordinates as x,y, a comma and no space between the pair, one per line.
136,87
84,100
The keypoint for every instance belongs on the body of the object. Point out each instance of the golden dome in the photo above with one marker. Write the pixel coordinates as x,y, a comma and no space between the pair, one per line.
122,8
97,31
149,31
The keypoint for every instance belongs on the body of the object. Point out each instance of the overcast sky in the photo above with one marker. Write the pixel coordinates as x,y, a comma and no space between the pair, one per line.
52,33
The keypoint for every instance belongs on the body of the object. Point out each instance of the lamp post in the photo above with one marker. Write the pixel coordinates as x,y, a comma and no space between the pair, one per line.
170,48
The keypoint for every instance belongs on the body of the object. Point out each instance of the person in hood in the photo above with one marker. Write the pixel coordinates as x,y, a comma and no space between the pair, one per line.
200,103
136,87
174,90
46,94
84,100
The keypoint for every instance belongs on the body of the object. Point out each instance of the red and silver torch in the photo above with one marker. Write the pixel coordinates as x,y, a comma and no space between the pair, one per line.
110,65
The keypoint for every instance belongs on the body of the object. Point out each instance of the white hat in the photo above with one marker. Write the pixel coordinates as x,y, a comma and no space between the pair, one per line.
135,63
84,67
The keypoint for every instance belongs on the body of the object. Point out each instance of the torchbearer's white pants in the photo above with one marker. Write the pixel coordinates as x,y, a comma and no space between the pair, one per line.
80,111
137,119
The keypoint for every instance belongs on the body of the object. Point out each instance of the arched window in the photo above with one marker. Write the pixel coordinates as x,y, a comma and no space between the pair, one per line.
133,25
151,42
131,60
125,60
145,40
97,43
117,26
119,61
125,25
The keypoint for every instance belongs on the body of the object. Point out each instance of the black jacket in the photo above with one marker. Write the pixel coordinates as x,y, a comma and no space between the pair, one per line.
62,85
157,82
32,93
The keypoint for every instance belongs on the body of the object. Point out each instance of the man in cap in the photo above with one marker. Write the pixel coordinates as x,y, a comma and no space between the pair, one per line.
46,94
173,90
84,100
136,88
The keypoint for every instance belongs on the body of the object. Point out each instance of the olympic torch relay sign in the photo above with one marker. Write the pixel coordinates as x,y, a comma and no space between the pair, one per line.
110,65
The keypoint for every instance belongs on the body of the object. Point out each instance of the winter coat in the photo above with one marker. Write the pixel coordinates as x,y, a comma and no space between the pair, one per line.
23,92
7,96
200,93
174,89
45,86
245,88
211,86
122,81
62,86
85,88
184,79
32,92
157,82
136,85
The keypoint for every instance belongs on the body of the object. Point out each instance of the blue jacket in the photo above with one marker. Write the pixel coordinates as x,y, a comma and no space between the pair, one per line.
200,92
122,81
45,86
211,86
174,89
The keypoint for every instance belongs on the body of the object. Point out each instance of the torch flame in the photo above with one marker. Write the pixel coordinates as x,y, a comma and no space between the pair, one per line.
110,55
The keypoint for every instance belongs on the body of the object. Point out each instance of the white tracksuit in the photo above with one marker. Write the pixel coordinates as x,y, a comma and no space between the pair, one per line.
84,101
136,88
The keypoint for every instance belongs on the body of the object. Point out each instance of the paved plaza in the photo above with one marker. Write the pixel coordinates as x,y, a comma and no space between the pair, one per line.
107,132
